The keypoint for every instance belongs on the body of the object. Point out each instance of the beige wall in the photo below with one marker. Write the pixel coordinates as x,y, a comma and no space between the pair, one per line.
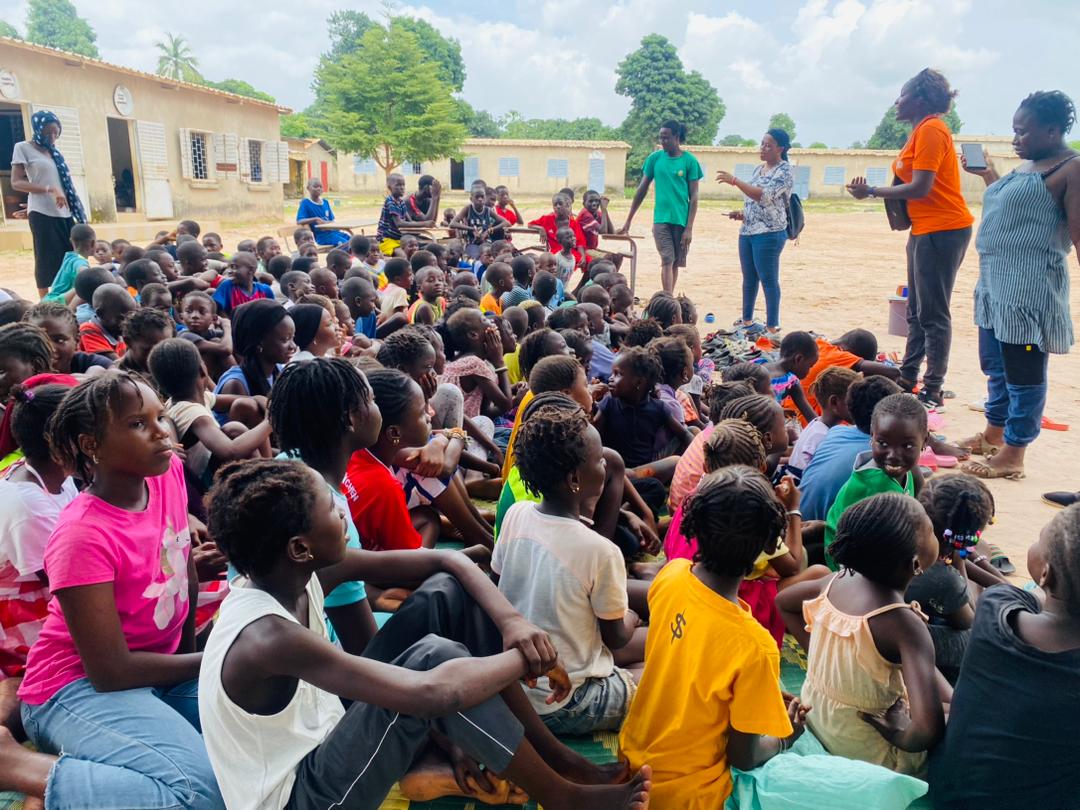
853,162
532,161
47,80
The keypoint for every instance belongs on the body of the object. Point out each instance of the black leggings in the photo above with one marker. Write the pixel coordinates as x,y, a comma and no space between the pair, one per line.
52,239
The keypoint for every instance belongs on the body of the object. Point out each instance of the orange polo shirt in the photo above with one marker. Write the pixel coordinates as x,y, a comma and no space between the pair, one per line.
930,148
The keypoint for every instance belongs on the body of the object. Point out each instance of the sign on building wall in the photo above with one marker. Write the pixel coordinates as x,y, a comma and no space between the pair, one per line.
123,100
9,84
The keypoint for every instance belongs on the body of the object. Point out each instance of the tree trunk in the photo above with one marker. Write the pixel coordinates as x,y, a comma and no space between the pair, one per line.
387,164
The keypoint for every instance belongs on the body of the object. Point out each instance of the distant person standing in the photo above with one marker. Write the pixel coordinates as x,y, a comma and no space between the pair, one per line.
764,225
39,170
677,174
928,175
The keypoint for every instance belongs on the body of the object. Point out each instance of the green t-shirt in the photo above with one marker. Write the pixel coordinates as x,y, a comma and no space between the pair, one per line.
867,480
513,491
65,277
672,176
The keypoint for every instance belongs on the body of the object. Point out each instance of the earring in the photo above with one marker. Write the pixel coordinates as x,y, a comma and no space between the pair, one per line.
310,556
395,441
94,459
575,488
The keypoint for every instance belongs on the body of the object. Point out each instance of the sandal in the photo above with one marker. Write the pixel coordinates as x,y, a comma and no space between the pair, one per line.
1000,561
986,472
979,446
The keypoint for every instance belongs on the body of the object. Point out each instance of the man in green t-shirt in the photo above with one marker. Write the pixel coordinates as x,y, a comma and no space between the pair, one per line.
676,174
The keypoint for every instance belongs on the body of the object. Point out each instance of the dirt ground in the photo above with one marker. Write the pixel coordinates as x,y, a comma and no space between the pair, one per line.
839,276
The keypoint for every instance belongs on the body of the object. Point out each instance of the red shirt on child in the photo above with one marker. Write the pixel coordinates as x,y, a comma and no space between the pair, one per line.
377,505
547,222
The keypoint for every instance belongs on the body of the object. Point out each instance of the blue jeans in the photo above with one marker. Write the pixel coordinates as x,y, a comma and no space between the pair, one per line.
599,704
759,256
139,749
1015,387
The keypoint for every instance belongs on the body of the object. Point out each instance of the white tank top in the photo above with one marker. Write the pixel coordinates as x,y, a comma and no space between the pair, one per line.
255,756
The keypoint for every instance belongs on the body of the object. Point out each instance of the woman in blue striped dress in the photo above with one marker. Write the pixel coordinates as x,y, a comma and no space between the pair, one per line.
1031,219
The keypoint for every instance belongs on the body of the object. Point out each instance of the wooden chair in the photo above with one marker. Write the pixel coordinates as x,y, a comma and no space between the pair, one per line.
628,252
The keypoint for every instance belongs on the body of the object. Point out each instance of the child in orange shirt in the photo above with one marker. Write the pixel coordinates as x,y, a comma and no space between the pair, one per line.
499,276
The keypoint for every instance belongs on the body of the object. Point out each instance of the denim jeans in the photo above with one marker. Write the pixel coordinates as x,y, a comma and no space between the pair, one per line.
933,260
599,704
759,256
139,749
1015,387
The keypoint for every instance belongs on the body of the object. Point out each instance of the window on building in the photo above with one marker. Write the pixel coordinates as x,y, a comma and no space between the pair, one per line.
558,167
199,156
364,166
509,167
834,176
255,154
744,171
877,176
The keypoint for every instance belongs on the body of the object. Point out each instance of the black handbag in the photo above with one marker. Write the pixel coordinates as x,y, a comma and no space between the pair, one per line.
896,210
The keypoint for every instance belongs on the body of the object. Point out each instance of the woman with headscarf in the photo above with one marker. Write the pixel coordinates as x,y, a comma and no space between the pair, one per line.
764,225
39,170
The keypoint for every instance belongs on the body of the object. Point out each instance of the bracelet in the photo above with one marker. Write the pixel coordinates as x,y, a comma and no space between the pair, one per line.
980,559
456,433
873,191
794,513
501,369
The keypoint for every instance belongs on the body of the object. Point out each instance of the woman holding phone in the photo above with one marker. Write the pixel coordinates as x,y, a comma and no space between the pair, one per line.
1030,221
928,178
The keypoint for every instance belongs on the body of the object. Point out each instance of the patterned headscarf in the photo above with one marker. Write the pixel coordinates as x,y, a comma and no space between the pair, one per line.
39,121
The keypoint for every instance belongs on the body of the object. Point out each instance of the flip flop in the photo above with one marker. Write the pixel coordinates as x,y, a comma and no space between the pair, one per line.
986,472
1050,424
979,446
1000,561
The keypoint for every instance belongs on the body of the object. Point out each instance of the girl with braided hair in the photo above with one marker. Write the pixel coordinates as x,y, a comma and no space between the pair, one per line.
566,578
1024,751
960,507
732,714
870,659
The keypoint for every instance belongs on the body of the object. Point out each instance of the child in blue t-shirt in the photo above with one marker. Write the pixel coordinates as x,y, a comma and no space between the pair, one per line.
62,290
359,295
314,210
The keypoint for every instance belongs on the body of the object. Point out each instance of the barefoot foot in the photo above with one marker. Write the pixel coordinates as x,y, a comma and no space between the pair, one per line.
633,795
429,780
584,772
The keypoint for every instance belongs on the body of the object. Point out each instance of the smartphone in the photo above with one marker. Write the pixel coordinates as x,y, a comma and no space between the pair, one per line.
973,154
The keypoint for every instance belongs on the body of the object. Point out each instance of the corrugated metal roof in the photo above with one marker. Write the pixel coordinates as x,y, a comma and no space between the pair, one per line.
539,142
69,56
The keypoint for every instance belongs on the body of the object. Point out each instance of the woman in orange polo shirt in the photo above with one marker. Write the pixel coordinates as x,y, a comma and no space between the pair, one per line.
928,173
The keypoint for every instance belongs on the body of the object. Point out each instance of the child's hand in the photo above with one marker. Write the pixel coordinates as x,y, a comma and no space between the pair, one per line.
429,384
648,540
210,563
788,493
598,390
559,681
493,345
520,634
427,461
797,712
893,723
471,778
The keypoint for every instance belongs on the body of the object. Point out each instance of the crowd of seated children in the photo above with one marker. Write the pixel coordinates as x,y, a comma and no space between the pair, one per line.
476,372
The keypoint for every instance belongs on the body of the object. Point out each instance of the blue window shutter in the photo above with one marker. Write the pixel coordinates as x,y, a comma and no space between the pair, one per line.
834,176
744,171
472,171
558,167
802,182
877,176
596,174
509,167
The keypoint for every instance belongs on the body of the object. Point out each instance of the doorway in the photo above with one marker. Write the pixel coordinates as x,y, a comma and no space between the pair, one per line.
123,168
457,175
11,132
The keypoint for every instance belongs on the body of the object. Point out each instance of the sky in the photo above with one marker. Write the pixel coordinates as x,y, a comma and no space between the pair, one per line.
834,65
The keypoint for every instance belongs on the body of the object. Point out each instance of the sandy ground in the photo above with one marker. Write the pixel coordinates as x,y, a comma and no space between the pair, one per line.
838,277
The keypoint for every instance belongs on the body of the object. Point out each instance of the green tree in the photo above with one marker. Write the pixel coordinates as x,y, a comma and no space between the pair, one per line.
785,122
659,88
818,145
56,24
479,123
176,61
344,29
9,30
557,129
297,125
381,101
892,134
445,51
240,88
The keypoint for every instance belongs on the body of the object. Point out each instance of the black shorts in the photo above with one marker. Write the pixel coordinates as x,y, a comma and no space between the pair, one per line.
669,244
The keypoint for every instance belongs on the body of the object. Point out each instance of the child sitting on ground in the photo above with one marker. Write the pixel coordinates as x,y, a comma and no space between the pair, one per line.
567,578
360,297
144,329
295,285
393,506
338,262
211,335
241,287
960,507
870,658
500,279
694,734
522,268
266,249
263,343
1021,753
86,282
632,420
157,296
82,240
102,333
665,309
213,244
324,283
255,646
566,260
477,367
314,210
395,295
622,303
689,393
856,350
58,322
430,304
798,353
830,391
897,433
677,363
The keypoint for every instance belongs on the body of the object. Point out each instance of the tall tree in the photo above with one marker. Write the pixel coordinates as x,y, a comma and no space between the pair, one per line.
383,101
344,29
56,24
479,123
297,125
445,51
9,30
785,122
240,88
176,61
892,134
654,79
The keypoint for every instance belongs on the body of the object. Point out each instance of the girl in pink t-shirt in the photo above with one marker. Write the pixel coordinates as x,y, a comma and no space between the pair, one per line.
111,680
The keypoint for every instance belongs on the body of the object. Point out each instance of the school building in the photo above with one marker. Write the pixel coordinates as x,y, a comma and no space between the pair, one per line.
527,167
140,146
824,172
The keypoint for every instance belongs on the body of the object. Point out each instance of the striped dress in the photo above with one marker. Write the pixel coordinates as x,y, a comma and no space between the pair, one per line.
1023,289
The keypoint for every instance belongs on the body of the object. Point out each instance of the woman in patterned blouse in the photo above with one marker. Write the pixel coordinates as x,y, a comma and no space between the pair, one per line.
764,226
